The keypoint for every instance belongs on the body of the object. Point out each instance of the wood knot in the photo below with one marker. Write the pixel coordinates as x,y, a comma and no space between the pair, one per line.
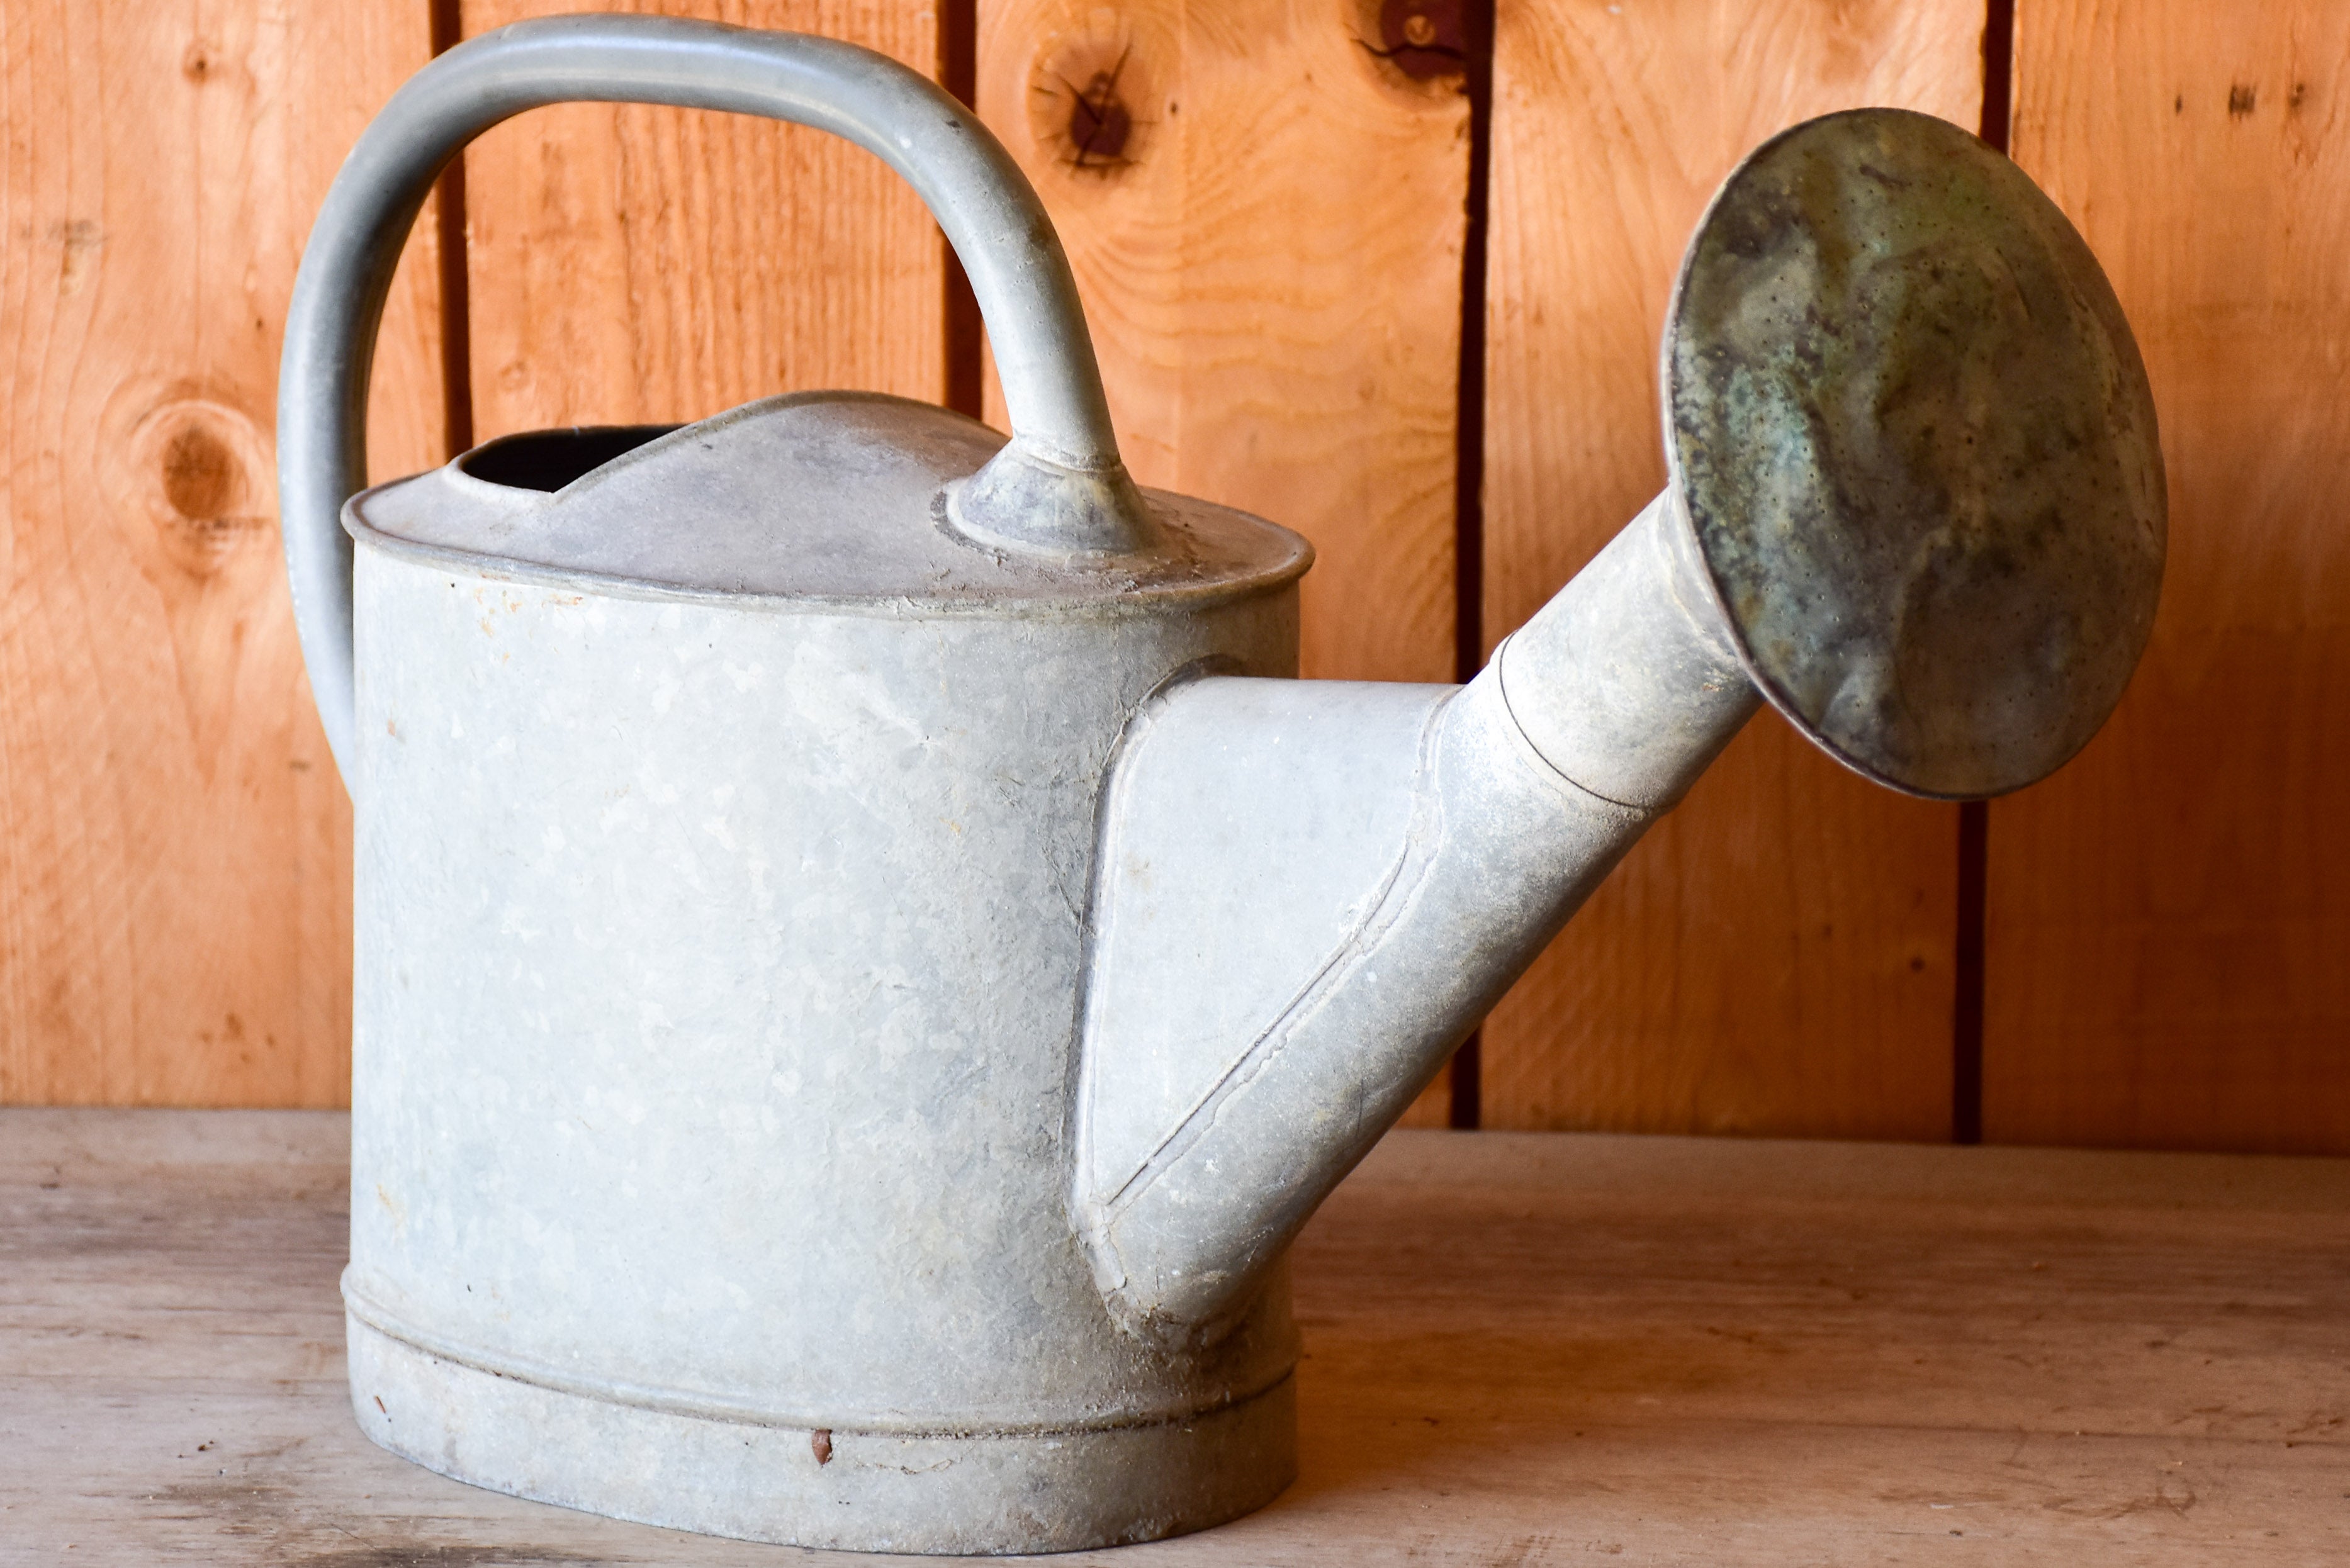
79,245
1090,99
210,500
1424,39
197,472
199,63
1100,121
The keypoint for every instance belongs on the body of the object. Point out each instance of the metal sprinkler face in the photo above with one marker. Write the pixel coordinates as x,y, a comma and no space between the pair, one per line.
1914,441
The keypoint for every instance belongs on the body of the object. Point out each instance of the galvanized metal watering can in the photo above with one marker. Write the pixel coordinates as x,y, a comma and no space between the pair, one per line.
866,960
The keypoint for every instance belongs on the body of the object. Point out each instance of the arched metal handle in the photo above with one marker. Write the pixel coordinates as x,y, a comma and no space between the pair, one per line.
1058,487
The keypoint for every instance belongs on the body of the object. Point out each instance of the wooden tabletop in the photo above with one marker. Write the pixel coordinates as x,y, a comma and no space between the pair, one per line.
1521,1349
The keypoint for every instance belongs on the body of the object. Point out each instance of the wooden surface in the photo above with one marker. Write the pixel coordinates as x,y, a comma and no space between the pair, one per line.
174,845
630,264
2168,956
1520,1349
1777,956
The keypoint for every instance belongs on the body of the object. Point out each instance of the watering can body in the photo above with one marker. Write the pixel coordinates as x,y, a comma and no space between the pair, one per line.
725,816
714,1005
866,955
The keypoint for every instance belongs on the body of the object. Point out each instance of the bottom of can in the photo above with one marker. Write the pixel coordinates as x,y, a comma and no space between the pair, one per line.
957,1494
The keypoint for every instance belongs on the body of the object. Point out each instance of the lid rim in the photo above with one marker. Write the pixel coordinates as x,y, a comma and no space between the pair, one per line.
995,605
816,499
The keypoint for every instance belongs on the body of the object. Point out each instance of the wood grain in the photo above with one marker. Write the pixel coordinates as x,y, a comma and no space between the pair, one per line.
174,843
2168,923
1270,265
1268,240
1776,957
629,264
1520,1349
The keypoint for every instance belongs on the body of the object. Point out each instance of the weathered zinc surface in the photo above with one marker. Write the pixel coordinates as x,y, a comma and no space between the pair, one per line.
864,961
725,821
717,967
1919,450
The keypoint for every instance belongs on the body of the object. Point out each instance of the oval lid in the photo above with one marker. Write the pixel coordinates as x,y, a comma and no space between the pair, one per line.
836,497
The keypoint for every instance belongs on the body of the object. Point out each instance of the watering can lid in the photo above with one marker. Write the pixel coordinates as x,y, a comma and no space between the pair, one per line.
1917,449
823,497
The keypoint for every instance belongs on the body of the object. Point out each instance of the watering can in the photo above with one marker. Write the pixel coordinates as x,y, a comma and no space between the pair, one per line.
865,958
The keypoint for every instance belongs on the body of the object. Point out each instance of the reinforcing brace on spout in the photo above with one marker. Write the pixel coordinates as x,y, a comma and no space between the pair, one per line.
1412,848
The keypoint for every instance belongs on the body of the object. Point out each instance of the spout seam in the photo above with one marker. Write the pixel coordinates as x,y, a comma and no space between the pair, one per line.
1394,896
1084,1075
1518,730
1422,845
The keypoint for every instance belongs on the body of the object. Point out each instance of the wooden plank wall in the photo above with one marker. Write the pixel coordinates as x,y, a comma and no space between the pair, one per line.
630,264
1776,956
1270,206
2168,959
1270,265
174,843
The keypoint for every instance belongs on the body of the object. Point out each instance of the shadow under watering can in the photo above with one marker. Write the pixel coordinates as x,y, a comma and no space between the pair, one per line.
866,958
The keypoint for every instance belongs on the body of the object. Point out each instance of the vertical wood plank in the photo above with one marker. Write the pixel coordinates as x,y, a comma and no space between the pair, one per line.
1776,957
2168,921
1266,217
630,264
174,841
1269,250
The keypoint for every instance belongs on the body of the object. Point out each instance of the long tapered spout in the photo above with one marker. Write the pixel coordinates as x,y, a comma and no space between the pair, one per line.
1916,504
1310,891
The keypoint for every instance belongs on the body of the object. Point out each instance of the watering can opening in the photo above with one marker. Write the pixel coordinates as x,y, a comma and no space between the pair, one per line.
550,460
